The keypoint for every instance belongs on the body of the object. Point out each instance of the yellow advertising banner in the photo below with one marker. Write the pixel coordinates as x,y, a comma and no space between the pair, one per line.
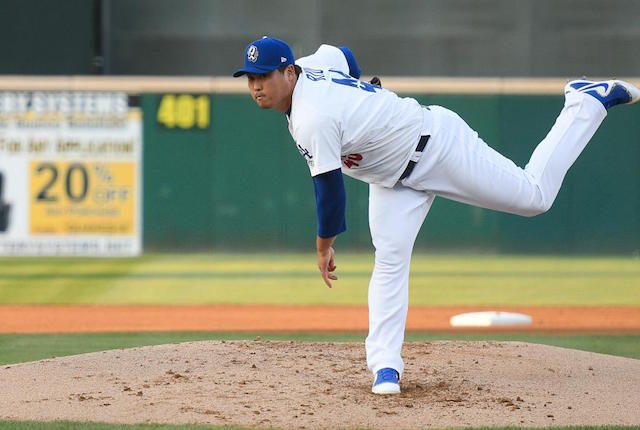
86,197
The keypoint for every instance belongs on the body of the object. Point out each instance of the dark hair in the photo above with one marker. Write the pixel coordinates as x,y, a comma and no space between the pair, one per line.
297,68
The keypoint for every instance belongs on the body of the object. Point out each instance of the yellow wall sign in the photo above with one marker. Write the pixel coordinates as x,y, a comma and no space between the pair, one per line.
87,197
184,111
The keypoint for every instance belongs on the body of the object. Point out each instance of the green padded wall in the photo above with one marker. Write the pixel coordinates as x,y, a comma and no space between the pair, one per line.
241,184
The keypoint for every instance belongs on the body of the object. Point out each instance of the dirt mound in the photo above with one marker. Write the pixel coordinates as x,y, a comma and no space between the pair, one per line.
326,385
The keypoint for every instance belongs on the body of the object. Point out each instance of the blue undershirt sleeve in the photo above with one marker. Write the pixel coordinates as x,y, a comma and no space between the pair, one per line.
331,202
354,69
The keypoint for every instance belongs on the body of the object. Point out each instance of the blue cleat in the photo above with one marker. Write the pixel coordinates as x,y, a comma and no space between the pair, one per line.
609,93
576,84
387,381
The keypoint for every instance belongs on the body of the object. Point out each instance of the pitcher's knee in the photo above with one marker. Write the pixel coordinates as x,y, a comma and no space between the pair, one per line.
391,259
536,208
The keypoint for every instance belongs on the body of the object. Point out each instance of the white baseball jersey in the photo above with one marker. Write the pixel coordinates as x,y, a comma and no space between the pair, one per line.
340,122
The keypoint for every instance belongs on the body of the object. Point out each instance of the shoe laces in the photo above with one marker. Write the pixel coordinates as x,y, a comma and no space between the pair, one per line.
387,375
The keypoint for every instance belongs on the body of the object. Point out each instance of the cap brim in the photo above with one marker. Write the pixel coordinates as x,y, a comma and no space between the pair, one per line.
254,69
240,73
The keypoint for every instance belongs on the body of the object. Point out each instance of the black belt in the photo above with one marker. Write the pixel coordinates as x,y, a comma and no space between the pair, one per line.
421,145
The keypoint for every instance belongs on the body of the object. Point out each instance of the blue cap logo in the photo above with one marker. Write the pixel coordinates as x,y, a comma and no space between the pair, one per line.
265,55
252,53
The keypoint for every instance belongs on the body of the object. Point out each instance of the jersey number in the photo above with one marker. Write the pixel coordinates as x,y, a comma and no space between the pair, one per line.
351,160
352,82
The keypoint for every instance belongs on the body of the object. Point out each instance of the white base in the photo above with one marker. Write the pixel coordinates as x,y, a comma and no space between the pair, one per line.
489,319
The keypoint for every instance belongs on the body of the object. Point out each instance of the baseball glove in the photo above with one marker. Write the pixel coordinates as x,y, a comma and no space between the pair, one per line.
376,81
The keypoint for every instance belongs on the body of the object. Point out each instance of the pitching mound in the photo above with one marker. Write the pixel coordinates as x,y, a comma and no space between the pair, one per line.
326,385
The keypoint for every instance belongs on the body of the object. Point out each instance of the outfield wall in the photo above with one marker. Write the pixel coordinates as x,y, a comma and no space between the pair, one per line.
220,174
242,183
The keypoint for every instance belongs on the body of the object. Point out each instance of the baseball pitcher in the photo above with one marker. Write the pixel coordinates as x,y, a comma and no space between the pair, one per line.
409,154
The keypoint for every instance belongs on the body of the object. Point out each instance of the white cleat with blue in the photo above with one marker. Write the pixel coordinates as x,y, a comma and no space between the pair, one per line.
387,381
609,93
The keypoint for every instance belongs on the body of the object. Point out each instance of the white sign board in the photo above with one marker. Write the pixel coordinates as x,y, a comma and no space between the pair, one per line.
70,174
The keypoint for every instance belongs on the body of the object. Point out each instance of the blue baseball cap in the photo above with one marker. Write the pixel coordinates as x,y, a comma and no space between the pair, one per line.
265,55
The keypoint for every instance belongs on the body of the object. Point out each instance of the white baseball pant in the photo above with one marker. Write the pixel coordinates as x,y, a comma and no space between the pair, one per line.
458,165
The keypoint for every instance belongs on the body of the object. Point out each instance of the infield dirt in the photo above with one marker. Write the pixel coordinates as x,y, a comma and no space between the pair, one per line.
295,318
326,385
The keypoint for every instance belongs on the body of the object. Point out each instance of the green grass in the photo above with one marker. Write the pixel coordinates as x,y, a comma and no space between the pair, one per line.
15,348
293,279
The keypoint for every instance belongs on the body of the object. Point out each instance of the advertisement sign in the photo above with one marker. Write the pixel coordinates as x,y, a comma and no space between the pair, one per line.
70,174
